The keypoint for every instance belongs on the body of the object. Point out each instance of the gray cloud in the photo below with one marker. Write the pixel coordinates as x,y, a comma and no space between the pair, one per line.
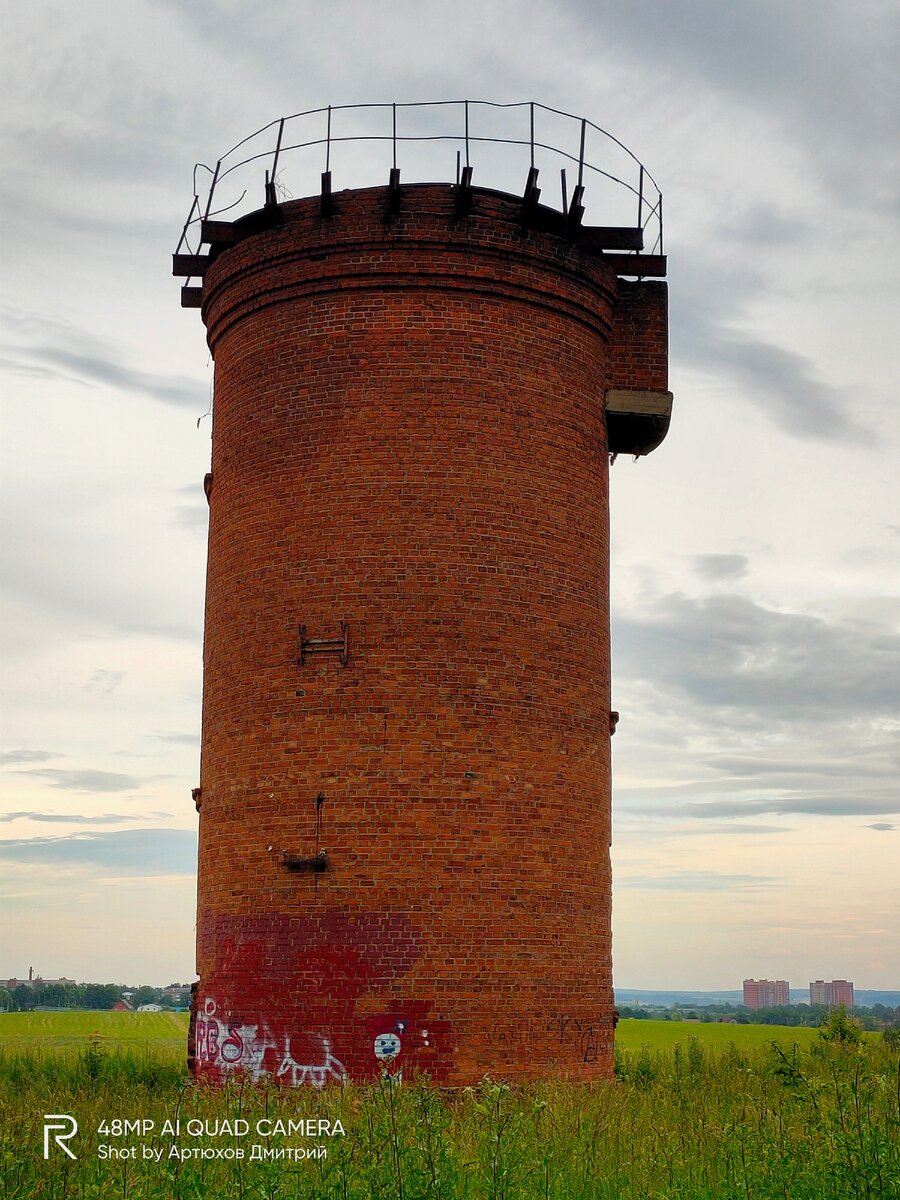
733,827
92,368
25,756
816,804
698,881
85,781
727,652
709,304
753,712
764,224
53,212
181,739
175,632
720,566
812,85
28,370
104,681
68,818
830,776
635,819
780,381
808,66
879,761
117,117
821,72
50,574
784,384
836,799
50,348
137,851
193,517
881,826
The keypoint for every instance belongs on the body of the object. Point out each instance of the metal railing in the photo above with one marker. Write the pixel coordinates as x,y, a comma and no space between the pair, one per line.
283,159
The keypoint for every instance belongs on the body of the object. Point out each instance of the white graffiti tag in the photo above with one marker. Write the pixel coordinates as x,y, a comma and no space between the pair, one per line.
227,1047
315,1074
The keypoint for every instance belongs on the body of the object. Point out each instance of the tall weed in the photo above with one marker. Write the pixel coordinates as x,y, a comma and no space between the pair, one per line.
741,1123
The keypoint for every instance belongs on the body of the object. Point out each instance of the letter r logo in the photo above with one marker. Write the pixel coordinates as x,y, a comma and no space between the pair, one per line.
69,1130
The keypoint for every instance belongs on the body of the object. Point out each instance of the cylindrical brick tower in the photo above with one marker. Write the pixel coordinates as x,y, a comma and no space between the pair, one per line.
405,777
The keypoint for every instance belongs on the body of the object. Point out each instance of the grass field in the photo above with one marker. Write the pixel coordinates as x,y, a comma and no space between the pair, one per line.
163,1033
665,1035
697,1112
166,1033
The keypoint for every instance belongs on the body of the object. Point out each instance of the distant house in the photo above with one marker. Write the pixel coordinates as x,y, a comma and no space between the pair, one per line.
123,1005
150,1008
177,994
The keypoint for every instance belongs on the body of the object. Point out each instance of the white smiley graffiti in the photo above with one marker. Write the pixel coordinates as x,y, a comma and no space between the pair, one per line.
387,1046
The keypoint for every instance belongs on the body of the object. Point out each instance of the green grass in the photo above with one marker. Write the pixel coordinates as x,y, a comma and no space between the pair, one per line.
665,1035
719,1114
167,1031
164,1033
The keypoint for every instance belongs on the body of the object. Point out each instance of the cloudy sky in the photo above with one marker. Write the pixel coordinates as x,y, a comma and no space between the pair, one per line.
754,555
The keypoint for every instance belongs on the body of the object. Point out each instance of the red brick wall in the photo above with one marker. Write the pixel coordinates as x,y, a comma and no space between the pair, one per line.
639,343
409,438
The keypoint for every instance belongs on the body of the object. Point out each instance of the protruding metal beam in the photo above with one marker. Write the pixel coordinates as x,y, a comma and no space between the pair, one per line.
217,233
326,205
651,266
576,210
188,265
394,190
191,297
610,237
532,193
464,192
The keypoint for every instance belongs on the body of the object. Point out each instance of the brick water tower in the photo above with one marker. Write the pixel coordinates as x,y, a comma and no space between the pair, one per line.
405,777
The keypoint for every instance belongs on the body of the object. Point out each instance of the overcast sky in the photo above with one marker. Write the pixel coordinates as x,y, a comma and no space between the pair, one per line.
755,554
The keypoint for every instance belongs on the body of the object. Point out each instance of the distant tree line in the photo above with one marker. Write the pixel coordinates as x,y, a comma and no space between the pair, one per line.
81,995
813,1016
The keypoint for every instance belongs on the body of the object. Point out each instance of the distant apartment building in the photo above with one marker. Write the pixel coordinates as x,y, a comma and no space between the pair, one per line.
766,993
838,991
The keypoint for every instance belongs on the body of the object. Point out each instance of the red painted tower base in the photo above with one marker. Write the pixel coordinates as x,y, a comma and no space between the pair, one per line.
405,801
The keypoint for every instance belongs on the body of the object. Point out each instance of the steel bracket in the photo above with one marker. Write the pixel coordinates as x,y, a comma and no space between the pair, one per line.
339,645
